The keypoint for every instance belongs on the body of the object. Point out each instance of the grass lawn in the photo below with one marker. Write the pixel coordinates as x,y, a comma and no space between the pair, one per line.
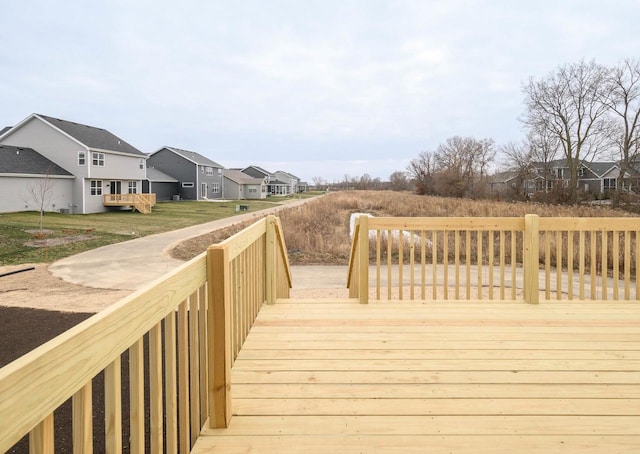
17,229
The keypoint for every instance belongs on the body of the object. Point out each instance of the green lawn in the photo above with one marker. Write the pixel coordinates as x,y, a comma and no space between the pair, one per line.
106,228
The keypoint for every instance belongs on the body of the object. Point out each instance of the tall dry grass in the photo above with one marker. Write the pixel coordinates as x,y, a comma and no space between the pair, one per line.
318,231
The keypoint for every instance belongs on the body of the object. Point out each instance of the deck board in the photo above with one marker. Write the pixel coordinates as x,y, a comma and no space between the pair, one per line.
434,377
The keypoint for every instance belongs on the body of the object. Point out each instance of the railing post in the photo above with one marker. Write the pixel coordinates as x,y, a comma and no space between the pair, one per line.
218,337
531,259
271,264
363,259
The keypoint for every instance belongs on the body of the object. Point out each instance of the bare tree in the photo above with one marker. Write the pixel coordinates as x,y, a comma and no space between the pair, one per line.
569,106
462,164
624,104
398,181
422,170
317,182
40,194
519,160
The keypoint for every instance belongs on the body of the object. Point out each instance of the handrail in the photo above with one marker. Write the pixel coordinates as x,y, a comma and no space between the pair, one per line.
497,258
193,321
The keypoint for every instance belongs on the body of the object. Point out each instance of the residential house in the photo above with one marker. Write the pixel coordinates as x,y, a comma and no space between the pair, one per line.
199,178
164,186
101,163
239,185
295,185
275,186
30,182
598,177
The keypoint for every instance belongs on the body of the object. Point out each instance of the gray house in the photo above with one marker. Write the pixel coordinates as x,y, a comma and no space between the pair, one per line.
104,165
164,186
275,187
198,177
29,181
239,185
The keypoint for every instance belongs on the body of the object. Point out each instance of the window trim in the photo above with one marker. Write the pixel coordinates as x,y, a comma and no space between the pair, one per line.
133,184
209,171
82,158
215,188
95,188
97,159
141,164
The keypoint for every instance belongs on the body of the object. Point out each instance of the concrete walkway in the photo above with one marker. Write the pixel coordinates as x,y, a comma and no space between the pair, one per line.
132,264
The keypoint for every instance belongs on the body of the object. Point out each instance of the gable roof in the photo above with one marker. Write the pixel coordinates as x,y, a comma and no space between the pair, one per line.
259,169
157,176
192,156
92,137
239,177
601,168
27,161
289,174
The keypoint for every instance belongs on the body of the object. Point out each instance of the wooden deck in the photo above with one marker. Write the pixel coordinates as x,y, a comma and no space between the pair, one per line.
437,377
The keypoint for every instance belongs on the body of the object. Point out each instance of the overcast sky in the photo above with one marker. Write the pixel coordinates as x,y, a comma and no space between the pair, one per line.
318,88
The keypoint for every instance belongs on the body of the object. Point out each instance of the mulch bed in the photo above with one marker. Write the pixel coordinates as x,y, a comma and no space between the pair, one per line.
22,330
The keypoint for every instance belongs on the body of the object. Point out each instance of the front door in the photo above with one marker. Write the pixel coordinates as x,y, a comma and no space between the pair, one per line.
203,190
116,187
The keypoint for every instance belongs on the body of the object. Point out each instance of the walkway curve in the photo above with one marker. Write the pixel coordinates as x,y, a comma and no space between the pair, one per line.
130,265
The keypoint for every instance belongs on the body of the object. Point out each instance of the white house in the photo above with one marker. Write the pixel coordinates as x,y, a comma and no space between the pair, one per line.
100,162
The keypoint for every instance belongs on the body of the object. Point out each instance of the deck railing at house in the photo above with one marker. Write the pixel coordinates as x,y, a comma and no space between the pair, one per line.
523,259
141,202
193,322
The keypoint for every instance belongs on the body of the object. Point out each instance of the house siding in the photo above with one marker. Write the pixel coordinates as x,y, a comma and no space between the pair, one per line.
14,193
179,168
186,171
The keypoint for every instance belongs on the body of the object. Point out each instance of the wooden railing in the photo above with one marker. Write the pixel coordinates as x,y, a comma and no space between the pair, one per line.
141,202
518,259
192,322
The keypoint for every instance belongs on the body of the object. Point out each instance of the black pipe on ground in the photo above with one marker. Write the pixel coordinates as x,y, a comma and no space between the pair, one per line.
17,271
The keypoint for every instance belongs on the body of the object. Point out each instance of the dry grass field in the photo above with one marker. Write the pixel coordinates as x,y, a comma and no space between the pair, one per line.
317,233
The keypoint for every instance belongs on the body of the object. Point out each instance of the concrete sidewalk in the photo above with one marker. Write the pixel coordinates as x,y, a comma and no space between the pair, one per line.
132,264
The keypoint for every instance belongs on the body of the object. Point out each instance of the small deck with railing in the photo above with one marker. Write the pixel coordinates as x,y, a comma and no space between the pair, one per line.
140,202
460,335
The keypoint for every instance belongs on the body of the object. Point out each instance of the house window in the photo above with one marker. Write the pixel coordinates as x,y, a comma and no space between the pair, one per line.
188,184
610,184
96,187
133,187
252,189
202,169
98,159
215,187
141,164
581,172
209,171
82,158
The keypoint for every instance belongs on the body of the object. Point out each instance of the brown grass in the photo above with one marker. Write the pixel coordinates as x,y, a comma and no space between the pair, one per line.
318,232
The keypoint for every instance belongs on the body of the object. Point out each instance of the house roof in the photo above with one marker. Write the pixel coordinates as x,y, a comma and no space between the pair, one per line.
27,161
504,177
91,136
288,174
259,169
239,177
194,157
5,129
157,176
601,168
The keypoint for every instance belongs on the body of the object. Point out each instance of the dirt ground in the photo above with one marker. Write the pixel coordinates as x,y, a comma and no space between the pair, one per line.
38,289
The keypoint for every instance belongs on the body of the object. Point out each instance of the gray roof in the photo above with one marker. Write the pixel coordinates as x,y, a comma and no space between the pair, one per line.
259,169
156,175
239,177
504,177
600,168
288,173
195,157
27,161
92,137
